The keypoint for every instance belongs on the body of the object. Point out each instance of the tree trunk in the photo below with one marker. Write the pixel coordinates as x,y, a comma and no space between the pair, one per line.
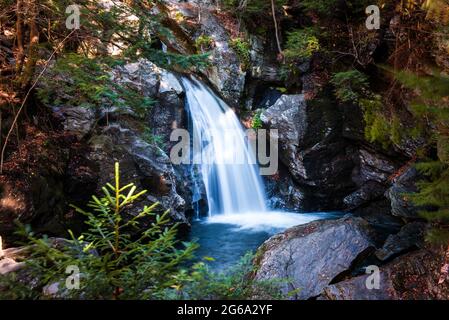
19,36
33,46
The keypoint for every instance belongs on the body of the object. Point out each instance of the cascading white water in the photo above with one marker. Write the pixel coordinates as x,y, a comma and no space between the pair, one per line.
228,167
238,217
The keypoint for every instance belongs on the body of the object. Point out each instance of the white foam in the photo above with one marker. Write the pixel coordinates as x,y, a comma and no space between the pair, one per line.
265,221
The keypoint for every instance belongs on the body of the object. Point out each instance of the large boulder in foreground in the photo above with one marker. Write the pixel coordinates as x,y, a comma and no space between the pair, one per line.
314,254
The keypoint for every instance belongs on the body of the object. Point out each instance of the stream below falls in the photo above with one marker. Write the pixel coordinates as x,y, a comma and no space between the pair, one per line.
227,238
226,167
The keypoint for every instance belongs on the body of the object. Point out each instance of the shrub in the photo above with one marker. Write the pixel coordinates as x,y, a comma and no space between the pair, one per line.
353,87
242,48
112,264
321,7
204,43
432,104
301,44
119,258
256,122
235,283
377,126
350,86
84,81
328,8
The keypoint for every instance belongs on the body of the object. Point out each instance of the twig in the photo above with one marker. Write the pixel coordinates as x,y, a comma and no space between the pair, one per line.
278,42
16,117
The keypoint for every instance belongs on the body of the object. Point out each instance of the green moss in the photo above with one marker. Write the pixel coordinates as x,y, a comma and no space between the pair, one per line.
350,86
301,43
242,48
153,139
84,81
256,122
204,43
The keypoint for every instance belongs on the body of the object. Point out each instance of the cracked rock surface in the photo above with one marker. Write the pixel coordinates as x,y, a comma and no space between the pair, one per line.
310,256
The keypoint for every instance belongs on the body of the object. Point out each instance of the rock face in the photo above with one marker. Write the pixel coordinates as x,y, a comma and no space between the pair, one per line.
142,160
225,72
68,166
410,277
312,255
411,236
289,116
76,120
401,205
283,193
141,163
371,175
311,148
337,260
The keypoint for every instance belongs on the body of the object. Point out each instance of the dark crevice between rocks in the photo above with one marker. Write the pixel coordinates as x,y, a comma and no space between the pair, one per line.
356,268
401,253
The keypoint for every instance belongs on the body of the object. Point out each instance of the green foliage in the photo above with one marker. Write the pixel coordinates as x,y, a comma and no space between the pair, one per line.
256,122
83,81
203,43
236,283
353,87
156,140
301,44
350,86
432,104
120,257
433,192
242,48
252,7
377,126
328,8
112,263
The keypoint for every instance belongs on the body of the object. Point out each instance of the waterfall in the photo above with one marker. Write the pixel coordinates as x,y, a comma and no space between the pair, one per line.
226,162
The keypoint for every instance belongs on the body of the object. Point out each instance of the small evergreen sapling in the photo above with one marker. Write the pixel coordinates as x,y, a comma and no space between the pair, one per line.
113,264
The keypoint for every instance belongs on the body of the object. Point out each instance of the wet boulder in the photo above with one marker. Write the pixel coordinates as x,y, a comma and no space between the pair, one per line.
310,256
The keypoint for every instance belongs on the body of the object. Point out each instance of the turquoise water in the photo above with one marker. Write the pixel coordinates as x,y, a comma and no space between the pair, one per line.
226,238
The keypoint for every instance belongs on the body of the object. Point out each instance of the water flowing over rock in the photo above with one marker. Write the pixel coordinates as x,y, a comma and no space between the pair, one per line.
224,73
312,255
228,166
